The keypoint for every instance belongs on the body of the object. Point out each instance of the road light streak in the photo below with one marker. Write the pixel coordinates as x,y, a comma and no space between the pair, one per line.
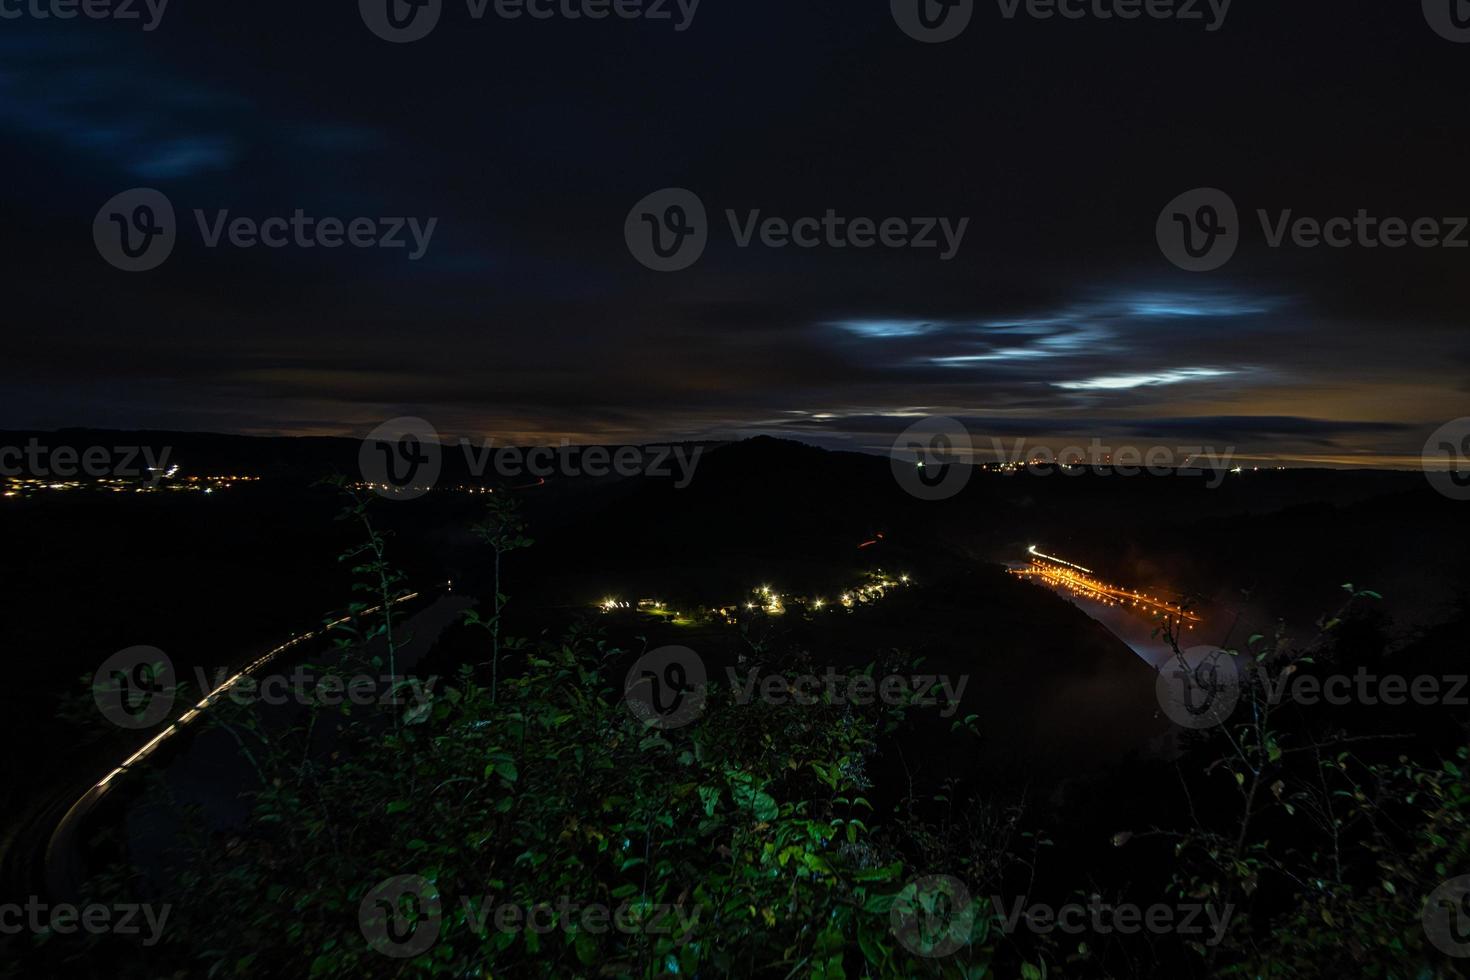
1032,550
219,692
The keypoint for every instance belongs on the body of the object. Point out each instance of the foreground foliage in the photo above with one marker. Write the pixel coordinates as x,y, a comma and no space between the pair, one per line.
755,843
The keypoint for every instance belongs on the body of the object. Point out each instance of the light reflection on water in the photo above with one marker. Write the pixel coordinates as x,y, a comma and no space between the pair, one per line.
1136,632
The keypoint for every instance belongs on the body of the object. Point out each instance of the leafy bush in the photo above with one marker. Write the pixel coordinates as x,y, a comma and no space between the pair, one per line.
754,842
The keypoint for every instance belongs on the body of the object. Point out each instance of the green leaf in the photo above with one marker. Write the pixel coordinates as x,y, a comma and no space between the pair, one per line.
748,797
885,873
586,948
879,904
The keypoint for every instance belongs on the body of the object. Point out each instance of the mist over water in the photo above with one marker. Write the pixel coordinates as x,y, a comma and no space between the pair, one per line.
1139,633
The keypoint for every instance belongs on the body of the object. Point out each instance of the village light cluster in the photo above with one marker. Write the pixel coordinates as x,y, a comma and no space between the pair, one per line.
764,599
388,488
22,487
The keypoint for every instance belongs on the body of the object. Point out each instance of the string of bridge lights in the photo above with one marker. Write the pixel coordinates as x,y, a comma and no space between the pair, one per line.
1078,581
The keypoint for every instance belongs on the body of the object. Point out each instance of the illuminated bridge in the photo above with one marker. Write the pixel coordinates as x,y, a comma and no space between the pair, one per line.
1064,576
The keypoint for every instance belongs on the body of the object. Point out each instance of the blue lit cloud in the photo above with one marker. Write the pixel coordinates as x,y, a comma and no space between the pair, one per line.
63,89
1113,326
1000,354
1174,305
884,329
1122,382
82,96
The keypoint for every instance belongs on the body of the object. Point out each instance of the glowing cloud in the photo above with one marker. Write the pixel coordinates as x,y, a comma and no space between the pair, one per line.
1122,382
883,329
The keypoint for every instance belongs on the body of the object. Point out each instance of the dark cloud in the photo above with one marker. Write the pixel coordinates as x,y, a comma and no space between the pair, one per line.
530,141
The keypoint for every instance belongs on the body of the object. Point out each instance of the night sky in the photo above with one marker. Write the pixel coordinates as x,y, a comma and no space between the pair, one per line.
530,141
